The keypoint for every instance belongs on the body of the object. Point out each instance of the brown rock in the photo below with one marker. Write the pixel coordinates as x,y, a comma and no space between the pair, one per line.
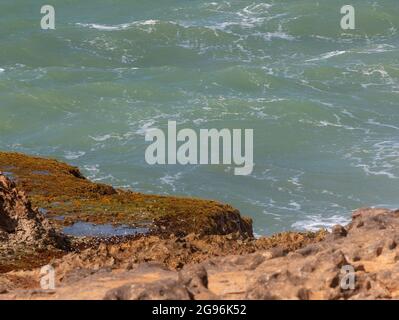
19,222
215,266
160,290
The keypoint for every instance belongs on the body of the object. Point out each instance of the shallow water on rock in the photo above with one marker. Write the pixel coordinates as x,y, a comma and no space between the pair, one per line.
81,229
9,175
41,172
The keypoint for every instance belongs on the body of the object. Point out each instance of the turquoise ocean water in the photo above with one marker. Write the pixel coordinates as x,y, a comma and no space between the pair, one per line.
323,102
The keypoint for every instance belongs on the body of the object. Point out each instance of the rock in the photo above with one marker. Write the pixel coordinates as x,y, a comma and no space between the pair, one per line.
20,223
60,188
160,290
191,284
207,256
195,280
316,271
355,265
339,231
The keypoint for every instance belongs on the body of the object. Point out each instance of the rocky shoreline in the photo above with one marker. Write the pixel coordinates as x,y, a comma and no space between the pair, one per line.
194,249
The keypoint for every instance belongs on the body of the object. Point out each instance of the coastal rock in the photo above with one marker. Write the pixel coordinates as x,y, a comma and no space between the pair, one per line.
191,284
198,249
19,222
161,290
224,267
62,191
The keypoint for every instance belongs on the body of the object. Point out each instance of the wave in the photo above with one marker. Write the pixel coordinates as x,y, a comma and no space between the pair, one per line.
117,27
71,155
171,180
379,159
327,55
379,48
317,222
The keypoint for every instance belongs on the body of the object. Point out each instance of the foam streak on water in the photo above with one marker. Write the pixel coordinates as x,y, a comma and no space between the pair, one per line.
323,102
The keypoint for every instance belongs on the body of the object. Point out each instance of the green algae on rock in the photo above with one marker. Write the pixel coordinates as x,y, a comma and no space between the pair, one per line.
28,239
61,190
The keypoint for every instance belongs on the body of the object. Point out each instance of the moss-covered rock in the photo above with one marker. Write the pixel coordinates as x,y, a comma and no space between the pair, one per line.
61,190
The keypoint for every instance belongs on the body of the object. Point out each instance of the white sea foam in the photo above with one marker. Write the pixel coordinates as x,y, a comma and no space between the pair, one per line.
378,49
376,123
296,181
199,121
143,130
170,180
108,177
249,17
379,159
2,70
380,70
108,136
257,8
278,35
295,205
327,55
117,27
73,155
323,124
101,138
317,222
92,169
94,174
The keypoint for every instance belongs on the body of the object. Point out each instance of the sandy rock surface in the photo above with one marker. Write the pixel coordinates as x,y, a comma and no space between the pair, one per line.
369,245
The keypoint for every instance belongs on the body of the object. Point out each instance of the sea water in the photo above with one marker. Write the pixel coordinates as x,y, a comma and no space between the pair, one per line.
323,102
